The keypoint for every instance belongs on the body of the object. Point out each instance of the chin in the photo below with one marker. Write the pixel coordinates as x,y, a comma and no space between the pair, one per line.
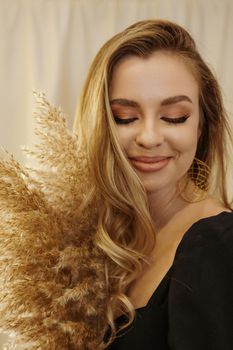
153,186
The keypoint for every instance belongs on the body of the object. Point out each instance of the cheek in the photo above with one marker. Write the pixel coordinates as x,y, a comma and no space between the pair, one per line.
184,144
125,137
185,139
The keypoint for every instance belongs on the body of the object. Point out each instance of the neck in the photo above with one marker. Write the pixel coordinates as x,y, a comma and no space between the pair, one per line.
164,204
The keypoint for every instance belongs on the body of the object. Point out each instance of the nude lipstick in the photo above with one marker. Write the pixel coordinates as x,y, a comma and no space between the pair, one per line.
149,164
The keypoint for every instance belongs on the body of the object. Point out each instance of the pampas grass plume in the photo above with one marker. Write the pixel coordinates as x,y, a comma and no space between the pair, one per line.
52,289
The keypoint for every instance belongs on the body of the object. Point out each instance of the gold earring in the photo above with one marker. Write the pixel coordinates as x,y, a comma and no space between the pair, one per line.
196,186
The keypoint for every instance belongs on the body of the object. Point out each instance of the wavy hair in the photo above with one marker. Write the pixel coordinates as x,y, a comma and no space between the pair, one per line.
125,230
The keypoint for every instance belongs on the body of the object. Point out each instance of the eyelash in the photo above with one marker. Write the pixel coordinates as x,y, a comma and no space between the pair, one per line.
179,120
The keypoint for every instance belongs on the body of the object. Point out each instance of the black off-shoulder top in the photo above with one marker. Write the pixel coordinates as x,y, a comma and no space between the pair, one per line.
192,308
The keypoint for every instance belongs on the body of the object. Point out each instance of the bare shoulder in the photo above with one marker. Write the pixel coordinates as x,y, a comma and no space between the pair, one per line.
212,206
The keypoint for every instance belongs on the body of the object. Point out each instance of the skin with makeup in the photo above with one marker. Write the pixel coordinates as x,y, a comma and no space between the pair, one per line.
155,104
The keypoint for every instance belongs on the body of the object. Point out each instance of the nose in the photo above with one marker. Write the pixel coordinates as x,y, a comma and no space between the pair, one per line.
150,135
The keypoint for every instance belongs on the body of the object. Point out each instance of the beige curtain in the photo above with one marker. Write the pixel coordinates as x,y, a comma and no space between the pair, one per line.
47,45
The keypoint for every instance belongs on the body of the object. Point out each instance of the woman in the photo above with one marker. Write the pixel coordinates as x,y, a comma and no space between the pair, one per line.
156,140
130,216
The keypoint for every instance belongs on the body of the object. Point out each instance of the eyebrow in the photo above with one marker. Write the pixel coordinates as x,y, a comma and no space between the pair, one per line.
167,101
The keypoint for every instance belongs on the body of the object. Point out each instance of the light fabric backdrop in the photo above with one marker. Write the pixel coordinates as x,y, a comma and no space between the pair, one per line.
47,45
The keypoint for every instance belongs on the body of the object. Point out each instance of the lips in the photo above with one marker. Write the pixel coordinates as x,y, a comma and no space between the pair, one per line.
148,159
149,164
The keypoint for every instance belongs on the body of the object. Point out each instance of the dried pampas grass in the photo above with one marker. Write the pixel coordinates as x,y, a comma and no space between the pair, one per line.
52,283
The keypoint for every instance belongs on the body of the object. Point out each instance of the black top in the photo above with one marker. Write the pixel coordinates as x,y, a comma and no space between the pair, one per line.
192,308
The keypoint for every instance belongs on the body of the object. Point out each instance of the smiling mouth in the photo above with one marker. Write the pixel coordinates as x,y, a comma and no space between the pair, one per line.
148,165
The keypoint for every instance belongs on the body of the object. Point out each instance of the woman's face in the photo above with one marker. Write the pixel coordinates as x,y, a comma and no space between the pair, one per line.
155,104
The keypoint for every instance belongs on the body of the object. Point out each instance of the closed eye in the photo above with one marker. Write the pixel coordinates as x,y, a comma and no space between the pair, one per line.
179,120
123,121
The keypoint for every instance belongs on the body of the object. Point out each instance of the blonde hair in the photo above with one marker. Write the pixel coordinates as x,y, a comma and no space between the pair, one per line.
125,229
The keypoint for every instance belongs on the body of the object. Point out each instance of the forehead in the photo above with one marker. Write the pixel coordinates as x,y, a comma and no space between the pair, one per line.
158,76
